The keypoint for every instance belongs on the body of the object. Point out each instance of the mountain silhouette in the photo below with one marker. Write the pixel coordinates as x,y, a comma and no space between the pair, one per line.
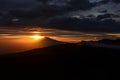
13,47
46,41
110,41
106,43
63,62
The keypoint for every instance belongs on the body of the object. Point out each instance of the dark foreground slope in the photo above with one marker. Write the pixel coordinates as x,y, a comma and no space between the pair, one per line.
63,62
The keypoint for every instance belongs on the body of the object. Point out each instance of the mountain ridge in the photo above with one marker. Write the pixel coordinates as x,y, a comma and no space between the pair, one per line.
64,62
23,46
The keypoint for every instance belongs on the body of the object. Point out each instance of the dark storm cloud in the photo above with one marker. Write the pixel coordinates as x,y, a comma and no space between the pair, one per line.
42,9
106,1
50,8
102,23
103,11
100,17
116,1
55,14
13,4
69,4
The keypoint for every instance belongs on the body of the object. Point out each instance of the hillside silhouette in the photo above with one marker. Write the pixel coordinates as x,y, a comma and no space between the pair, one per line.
110,41
20,46
46,41
68,61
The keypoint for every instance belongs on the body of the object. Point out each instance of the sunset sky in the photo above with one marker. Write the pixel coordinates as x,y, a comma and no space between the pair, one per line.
62,20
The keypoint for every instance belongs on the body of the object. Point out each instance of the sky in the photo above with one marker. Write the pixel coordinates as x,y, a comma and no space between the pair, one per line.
65,20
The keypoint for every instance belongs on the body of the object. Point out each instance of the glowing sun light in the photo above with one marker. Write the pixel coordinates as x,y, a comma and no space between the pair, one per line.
36,37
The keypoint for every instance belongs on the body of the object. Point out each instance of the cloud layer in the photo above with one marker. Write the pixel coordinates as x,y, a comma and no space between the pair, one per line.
81,15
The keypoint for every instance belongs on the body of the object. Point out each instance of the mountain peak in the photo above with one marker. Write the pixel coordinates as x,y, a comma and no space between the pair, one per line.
48,38
49,41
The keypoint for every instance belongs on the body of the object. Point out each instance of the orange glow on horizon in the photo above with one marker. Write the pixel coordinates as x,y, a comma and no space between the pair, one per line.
36,32
36,37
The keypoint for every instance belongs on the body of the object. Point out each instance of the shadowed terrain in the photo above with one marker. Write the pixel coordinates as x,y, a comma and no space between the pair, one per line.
63,62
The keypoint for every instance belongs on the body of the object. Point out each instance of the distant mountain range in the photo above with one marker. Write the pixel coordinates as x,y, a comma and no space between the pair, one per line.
96,60
106,43
69,61
63,62
110,41
46,42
